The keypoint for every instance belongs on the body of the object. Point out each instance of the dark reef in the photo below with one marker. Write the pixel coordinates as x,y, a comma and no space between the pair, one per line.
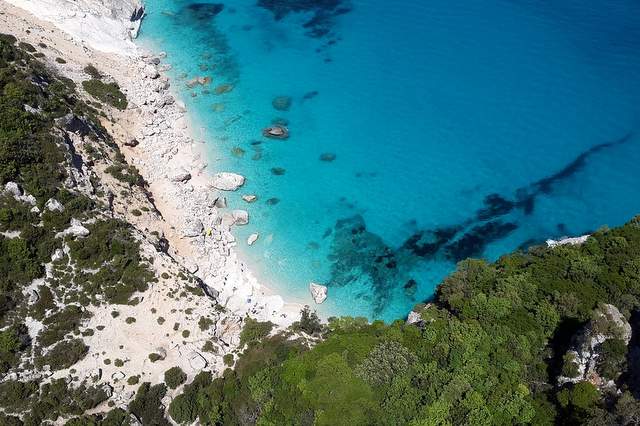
358,254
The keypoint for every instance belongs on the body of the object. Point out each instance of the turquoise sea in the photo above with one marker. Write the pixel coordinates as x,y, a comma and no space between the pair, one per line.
452,130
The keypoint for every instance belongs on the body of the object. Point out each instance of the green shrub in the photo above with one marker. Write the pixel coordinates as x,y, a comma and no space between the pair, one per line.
253,331
174,377
26,46
228,360
92,72
155,357
147,405
64,354
108,93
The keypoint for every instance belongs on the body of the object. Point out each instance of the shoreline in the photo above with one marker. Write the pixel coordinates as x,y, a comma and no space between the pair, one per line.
166,148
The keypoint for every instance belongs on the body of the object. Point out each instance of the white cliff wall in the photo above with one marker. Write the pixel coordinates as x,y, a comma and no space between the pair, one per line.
105,25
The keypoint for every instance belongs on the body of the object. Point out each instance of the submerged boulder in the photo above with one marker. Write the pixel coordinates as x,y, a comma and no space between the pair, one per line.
318,292
281,103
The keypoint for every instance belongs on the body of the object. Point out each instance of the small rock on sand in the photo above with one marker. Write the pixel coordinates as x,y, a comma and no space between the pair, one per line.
181,177
226,181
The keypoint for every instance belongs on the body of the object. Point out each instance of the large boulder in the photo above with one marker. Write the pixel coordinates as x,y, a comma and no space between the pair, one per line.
240,217
226,181
318,292
197,361
75,230
54,205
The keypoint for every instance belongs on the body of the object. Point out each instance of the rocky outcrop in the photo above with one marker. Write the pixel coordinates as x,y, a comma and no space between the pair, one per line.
318,292
564,241
106,25
581,362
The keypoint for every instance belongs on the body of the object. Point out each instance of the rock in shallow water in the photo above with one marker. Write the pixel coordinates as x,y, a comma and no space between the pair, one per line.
318,292
327,156
226,181
252,238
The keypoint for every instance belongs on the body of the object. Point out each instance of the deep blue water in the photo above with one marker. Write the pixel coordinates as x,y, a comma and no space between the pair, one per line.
458,130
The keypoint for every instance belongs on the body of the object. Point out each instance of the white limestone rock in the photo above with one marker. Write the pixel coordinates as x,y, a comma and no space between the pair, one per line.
226,181
54,205
318,292
180,177
252,238
564,241
13,189
414,318
193,229
249,198
240,217
197,361
75,230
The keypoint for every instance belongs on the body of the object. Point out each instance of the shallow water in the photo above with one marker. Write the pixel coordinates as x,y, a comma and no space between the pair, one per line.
458,130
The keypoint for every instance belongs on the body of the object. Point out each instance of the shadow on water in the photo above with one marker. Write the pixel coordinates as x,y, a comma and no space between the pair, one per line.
358,254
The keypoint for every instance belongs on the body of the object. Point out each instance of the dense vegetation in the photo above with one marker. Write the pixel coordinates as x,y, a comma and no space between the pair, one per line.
487,351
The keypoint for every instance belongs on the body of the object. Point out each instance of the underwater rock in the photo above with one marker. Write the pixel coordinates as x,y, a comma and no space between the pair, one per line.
318,292
276,132
281,103
473,242
223,88
204,11
237,152
278,171
226,181
327,156
203,81
410,288
217,107
272,201
310,95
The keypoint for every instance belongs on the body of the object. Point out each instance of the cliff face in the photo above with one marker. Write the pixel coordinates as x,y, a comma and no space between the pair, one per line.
106,25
